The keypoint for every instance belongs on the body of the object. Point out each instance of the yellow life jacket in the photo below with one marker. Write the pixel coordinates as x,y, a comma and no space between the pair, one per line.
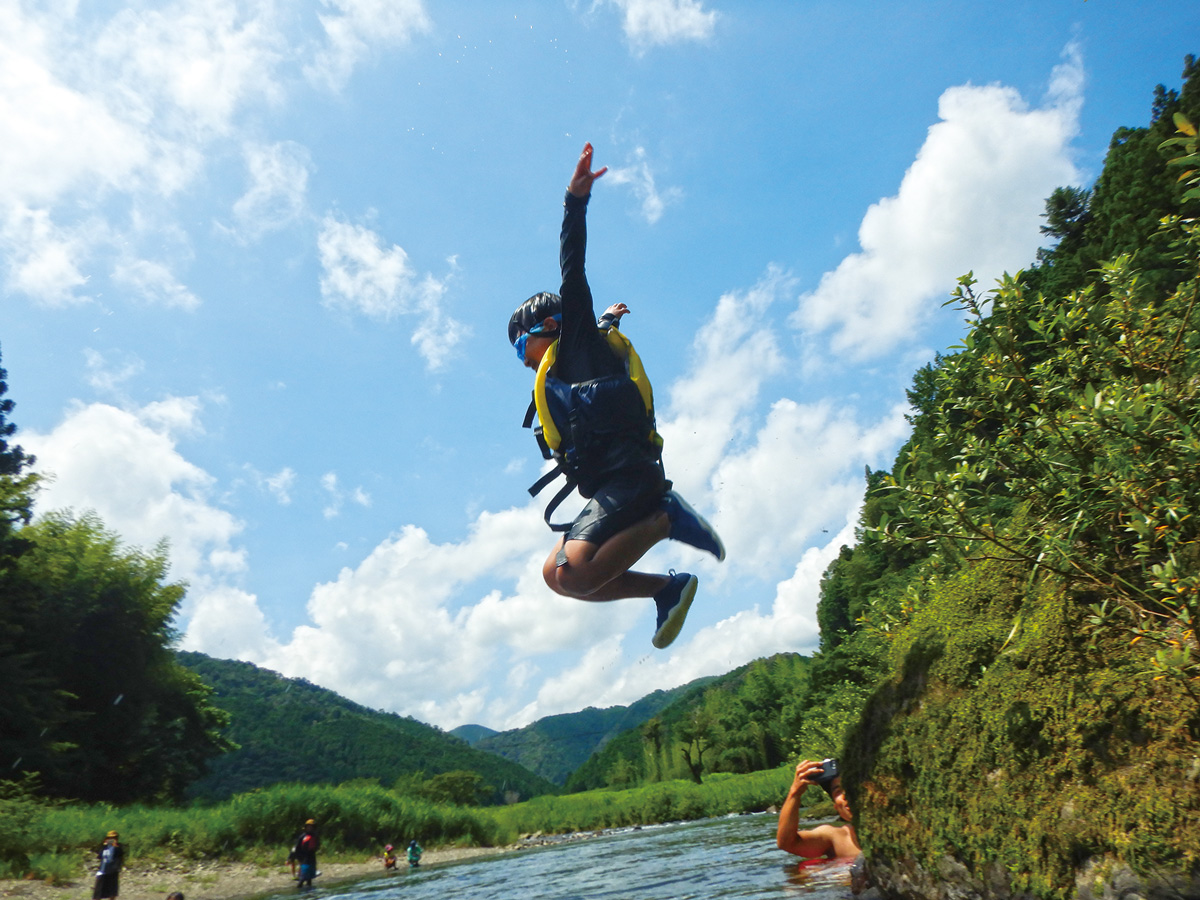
622,348
556,445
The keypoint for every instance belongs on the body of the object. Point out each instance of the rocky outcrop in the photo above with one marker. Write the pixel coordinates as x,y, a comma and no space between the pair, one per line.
906,879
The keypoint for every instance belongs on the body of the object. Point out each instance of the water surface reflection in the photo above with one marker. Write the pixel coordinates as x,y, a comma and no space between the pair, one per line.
730,857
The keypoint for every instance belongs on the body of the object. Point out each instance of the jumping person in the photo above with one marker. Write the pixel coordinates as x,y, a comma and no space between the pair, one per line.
596,418
829,841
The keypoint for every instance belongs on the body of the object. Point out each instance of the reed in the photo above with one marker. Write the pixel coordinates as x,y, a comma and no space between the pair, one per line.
261,824
668,801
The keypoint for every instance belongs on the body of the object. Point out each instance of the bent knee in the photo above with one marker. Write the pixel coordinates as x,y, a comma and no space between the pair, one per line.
568,580
562,580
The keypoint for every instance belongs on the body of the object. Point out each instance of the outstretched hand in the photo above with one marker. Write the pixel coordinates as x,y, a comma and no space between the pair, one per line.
581,181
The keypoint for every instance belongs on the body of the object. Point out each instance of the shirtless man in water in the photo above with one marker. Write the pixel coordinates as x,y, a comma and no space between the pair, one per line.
830,841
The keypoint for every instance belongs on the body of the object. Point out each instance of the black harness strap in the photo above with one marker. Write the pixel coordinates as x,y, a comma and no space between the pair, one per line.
538,486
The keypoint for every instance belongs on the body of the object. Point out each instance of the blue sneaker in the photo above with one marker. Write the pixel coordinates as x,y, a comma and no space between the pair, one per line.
673,603
689,526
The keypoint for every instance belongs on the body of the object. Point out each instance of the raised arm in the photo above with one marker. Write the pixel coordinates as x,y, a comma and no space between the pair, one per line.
809,844
576,295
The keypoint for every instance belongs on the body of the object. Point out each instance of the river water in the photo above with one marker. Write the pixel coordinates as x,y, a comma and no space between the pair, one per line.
728,857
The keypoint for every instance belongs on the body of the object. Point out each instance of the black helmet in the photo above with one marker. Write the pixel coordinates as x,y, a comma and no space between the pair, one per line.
533,312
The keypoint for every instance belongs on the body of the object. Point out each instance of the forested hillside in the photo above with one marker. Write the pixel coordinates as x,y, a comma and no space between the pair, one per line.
556,746
1017,622
290,730
94,706
743,721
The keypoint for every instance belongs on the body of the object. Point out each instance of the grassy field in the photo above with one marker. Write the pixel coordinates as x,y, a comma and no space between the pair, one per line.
668,801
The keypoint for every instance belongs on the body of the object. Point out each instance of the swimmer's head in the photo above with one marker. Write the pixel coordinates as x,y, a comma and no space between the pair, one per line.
831,780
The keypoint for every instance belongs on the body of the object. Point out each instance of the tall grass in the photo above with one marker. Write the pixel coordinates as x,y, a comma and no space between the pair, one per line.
668,801
261,824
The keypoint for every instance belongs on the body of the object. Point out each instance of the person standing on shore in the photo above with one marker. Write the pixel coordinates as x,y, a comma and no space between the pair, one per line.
108,875
830,841
304,853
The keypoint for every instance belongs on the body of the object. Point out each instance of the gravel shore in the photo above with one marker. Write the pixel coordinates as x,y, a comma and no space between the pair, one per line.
223,881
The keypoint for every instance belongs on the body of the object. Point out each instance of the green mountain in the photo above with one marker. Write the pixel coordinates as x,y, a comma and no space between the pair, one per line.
290,730
473,734
741,721
556,746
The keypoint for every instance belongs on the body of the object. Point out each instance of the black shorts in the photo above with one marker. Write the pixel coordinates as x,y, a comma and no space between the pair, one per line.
621,501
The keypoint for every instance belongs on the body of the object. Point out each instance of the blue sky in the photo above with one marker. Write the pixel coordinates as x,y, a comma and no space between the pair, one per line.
257,259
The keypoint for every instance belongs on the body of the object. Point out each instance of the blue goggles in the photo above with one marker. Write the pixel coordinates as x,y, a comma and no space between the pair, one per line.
519,343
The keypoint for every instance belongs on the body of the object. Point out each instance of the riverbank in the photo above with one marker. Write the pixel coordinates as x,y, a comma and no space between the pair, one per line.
225,880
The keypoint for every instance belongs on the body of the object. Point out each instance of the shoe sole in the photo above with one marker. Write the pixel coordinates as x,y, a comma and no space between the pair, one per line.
666,635
705,526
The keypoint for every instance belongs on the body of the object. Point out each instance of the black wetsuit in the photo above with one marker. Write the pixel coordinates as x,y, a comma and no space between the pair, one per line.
622,471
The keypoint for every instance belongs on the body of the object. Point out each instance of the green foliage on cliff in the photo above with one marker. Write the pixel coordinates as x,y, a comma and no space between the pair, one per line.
1034,717
1024,751
290,730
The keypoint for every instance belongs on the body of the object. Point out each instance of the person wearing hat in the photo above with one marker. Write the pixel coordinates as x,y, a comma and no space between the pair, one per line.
414,854
389,857
830,841
108,875
304,854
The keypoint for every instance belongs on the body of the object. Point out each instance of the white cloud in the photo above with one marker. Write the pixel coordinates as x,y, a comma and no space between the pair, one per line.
354,26
639,176
153,282
278,185
106,378
43,259
395,628
125,108
337,496
970,201
228,624
186,69
329,481
702,415
44,122
280,485
802,472
124,464
360,275
650,23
